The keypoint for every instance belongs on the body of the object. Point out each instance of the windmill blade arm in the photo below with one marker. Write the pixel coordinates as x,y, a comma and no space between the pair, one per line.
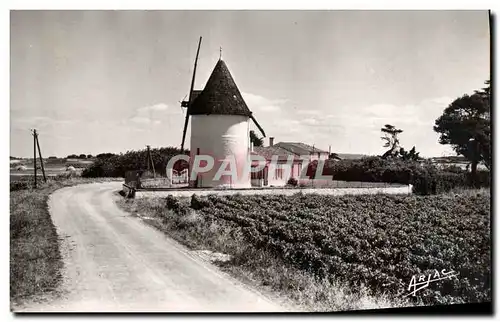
184,132
258,126
190,99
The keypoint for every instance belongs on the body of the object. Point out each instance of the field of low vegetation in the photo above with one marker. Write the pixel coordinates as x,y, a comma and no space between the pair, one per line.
340,253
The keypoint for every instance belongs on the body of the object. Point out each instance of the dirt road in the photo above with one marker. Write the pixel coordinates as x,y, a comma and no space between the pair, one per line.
115,262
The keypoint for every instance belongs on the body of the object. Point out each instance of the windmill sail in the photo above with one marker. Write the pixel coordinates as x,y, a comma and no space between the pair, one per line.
258,126
191,97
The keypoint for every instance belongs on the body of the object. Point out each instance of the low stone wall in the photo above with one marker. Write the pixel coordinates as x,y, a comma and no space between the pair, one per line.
406,189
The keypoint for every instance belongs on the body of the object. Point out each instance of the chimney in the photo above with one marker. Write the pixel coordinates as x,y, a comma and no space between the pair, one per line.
271,141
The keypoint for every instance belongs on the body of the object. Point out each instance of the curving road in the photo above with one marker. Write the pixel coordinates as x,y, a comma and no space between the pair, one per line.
115,262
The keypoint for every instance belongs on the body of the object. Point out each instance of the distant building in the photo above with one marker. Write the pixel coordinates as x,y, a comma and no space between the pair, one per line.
351,156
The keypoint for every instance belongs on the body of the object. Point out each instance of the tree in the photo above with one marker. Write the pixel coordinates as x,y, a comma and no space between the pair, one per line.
117,165
465,125
390,137
255,139
334,156
82,156
411,155
104,155
89,156
72,156
484,141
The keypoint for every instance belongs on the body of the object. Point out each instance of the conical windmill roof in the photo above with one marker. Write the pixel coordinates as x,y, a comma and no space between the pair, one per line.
220,95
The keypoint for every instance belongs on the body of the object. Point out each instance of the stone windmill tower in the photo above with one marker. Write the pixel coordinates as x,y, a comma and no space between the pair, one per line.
220,124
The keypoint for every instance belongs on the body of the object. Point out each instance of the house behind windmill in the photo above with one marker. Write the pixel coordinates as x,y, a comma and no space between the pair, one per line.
291,159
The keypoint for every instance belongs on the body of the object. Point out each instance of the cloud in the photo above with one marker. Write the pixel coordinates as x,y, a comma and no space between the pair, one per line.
444,101
308,112
156,107
354,129
145,114
262,104
421,114
140,120
361,125
310,121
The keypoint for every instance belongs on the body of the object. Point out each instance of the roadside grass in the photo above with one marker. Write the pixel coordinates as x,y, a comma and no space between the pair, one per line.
293,288
35,261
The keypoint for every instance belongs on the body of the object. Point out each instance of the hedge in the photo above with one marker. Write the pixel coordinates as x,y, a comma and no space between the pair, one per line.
425,177
117,165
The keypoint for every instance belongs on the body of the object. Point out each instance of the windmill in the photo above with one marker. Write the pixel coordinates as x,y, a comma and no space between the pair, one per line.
220,121
194,93
188,103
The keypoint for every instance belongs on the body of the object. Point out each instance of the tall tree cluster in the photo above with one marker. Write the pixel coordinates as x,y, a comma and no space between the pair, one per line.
466,126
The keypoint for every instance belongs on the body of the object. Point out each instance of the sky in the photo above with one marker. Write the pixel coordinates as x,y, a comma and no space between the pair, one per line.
111,81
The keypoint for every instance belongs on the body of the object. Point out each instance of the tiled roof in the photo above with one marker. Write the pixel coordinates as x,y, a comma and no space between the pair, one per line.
268,151
298,148
220,95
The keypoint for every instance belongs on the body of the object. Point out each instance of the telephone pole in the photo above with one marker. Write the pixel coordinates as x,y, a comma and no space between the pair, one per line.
34,153
147,156
150,161
41,159
36,145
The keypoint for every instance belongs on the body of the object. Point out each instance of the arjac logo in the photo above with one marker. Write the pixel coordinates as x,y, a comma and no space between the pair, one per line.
423,281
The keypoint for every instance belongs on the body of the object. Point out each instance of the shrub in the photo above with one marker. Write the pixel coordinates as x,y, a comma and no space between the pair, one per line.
441,181
175,205
172,202
113,165
425,177
198,203
293,182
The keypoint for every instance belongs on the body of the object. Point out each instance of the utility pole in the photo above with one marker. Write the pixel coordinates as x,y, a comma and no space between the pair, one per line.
147,156
150,161
36,145
41,159
34,152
